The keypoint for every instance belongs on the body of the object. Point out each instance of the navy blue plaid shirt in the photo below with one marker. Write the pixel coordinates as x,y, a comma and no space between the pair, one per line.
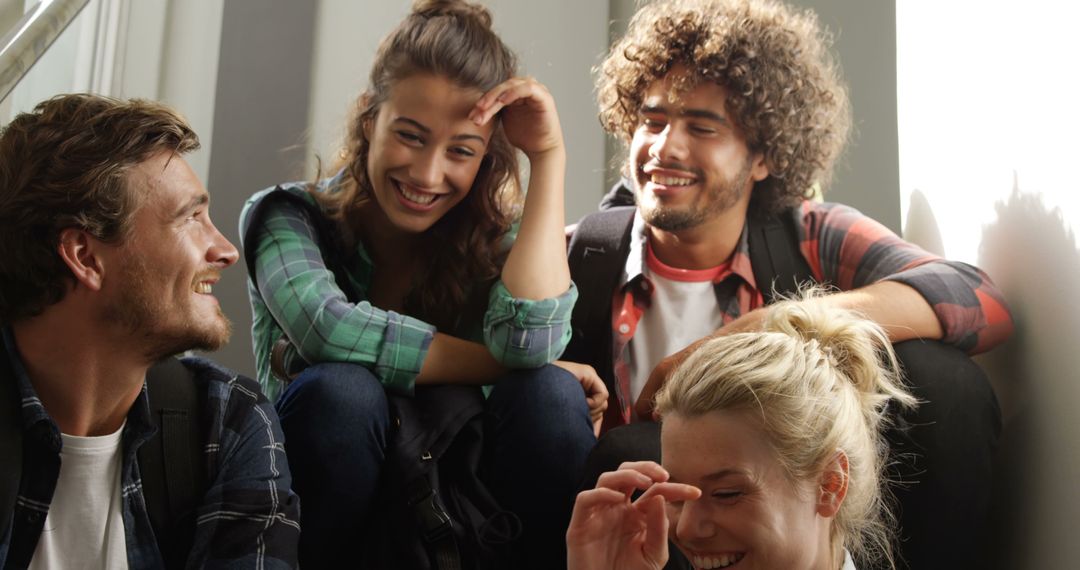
248,517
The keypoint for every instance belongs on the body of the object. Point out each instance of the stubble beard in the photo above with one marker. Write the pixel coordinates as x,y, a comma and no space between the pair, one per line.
144,314
717,199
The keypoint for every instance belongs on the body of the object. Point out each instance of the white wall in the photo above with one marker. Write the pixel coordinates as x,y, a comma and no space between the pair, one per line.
987,140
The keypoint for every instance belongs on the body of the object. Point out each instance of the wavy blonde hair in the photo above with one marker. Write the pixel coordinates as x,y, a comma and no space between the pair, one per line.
820,380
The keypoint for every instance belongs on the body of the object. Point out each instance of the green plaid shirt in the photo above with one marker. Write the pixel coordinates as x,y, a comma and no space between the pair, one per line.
293,292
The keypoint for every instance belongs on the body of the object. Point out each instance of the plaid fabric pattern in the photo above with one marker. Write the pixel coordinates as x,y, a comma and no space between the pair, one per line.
845,249
296,294
248,517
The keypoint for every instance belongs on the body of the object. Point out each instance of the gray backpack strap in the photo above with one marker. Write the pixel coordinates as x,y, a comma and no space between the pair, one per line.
779,267
170,463
597,258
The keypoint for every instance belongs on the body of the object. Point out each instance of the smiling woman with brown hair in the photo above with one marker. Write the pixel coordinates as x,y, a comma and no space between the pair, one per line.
772,454
418,263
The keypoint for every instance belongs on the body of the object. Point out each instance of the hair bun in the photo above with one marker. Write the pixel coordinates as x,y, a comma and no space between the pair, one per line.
453,8
856,347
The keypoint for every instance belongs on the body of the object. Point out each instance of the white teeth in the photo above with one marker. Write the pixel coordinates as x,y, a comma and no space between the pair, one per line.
204,288
711,562
671,180
417,197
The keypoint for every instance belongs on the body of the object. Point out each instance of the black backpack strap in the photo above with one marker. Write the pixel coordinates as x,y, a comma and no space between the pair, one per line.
597,258
171,462
779,267
11,440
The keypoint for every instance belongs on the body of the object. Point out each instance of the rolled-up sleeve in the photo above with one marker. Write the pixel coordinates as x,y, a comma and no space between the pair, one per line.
312,310
524,333
850,250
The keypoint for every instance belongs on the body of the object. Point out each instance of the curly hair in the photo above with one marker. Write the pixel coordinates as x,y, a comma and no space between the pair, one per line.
65,165
819,379
451,39
784,89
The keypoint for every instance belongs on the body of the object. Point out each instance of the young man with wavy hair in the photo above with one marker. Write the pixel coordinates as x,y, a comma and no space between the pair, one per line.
735,110
108,267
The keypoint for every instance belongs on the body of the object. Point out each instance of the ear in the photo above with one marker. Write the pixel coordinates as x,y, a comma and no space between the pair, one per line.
80,251
834,485
758,169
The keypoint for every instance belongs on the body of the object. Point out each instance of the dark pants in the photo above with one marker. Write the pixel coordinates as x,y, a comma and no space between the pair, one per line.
941,454
336,422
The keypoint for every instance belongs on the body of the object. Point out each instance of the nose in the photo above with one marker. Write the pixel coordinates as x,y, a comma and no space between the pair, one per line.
222,253
692,522
669,145
427,170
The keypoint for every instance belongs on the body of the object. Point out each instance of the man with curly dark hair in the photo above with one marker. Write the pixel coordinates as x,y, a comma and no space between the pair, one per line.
107,270
734,113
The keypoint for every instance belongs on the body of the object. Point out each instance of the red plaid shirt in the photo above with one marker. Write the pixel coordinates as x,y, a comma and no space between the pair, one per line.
843,248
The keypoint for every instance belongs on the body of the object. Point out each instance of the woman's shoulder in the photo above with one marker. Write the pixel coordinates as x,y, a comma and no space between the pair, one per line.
293,196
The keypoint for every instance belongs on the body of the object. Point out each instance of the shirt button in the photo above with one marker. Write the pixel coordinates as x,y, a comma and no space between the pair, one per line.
624,328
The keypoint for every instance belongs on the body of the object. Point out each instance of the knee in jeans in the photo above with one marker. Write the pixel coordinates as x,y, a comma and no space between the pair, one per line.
549,387
339,388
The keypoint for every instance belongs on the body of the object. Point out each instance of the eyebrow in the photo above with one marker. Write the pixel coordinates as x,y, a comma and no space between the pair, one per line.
693,113
721,474
200,200
420,127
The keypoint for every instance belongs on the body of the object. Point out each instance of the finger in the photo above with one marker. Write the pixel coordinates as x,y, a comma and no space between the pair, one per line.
597,423
596,498
672,492
488,99
656,529
523,93
650,469
625,480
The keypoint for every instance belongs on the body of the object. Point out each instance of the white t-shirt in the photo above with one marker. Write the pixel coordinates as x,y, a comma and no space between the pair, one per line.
85,525
683,310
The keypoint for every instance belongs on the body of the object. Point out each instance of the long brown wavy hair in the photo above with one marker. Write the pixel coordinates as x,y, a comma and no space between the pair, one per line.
451,39
784,89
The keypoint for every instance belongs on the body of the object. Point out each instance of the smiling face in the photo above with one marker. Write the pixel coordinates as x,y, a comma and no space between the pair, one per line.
750,514
162,288
425,152
689,162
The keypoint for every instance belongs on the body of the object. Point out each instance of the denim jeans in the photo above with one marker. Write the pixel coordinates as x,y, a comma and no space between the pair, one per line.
336,422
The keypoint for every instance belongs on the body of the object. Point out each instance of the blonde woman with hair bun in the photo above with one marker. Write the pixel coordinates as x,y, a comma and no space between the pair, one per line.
772,455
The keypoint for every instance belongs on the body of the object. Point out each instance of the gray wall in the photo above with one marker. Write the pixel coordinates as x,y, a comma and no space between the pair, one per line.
260,114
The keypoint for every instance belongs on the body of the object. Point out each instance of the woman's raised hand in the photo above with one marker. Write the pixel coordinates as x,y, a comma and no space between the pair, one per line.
529,118
608,531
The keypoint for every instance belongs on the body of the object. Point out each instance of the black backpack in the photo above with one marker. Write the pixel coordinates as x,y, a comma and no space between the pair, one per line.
434,512
597,255
174,479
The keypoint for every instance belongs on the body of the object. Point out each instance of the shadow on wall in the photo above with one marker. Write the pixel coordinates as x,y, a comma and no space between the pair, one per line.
1031,253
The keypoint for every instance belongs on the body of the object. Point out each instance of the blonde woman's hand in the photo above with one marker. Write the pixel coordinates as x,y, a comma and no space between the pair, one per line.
529,118
596,392
608,531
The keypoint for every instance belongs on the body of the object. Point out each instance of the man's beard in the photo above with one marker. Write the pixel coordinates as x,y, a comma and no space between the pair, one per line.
143,313
716,200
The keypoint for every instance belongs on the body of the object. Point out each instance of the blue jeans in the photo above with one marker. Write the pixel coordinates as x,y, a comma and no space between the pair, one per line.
336,422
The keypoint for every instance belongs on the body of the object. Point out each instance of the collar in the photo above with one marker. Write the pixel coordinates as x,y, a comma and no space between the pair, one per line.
139,423
33,412
636,260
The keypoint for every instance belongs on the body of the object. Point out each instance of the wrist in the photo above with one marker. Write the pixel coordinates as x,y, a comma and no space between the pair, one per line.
554,155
